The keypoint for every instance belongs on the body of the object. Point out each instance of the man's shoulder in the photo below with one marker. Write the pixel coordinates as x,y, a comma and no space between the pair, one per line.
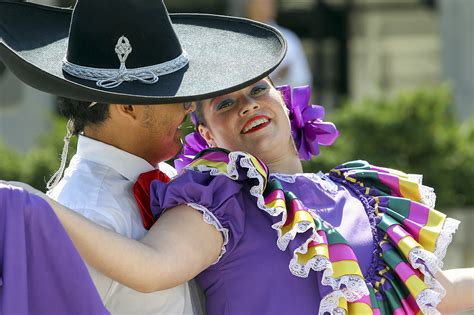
100,194
85,182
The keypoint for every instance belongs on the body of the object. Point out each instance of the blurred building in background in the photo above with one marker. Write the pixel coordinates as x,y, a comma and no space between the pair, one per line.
457,36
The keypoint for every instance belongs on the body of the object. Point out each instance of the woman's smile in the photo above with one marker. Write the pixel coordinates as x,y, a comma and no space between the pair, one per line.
256,123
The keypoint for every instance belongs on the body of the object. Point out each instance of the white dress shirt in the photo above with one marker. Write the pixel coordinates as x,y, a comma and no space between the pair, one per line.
98,184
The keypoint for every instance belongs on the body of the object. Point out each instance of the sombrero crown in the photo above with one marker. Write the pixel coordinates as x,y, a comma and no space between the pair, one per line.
124,51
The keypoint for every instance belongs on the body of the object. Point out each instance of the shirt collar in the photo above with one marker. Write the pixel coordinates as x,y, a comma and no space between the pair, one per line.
128,165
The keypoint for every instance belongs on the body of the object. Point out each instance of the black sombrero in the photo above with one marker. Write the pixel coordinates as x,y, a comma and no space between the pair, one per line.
123,51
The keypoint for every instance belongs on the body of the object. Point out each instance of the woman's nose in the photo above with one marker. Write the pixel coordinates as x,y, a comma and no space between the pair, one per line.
250,106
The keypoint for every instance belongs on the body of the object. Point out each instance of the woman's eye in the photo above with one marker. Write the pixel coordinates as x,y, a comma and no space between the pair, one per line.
224,104
259,89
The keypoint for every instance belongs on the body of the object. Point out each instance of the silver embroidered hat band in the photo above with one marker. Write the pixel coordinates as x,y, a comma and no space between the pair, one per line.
111,78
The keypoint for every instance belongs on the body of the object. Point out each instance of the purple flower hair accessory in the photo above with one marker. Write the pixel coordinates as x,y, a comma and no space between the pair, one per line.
307,126
193,144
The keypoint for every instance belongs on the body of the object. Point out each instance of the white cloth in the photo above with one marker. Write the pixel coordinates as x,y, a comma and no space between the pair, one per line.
295,64
98,184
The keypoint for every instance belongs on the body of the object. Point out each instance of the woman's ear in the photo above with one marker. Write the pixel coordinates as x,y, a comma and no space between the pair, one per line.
207,135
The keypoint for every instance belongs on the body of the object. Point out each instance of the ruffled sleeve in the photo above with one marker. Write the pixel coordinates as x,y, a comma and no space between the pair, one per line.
411,236
214,186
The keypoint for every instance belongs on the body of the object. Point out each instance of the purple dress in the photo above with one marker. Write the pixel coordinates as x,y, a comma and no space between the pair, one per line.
252,274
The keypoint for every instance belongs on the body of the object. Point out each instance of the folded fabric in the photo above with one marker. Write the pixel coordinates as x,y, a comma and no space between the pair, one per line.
41,270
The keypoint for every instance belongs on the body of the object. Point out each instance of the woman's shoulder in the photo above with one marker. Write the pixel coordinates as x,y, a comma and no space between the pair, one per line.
219,161
213,176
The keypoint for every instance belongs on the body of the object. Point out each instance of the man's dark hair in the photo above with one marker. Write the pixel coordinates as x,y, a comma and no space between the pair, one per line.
81,113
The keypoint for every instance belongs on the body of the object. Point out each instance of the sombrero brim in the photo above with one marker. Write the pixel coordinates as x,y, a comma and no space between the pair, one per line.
225,54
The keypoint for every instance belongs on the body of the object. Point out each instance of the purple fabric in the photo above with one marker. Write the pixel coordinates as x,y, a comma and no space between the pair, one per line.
193,144
253,277
41,271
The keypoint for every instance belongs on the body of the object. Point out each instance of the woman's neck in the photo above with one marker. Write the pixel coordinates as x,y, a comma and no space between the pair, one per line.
285,164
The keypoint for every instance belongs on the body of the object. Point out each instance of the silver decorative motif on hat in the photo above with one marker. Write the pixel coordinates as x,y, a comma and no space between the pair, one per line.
111,78
123,49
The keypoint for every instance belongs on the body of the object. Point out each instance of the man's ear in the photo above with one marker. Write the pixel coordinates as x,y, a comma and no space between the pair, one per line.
207,135
126,111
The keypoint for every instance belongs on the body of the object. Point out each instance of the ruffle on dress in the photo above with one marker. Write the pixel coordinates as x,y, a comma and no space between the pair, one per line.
410,238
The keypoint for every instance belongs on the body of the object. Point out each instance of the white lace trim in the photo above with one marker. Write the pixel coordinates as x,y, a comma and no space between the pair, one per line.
445,237
211,219
427,301
351,287
428,196
284,239
320,179
417,178
231,171
431,263
428,265
317,263
330,304
111,78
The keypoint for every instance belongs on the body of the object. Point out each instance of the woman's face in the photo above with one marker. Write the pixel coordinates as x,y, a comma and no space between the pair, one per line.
253,120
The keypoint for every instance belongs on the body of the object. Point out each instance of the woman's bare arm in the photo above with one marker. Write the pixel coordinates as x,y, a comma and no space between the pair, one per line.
459,285
177,248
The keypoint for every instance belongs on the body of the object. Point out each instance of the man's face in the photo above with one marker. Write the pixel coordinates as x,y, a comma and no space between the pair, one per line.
161,136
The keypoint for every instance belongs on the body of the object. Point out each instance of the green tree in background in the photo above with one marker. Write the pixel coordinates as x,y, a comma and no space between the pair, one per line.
41,162
416,132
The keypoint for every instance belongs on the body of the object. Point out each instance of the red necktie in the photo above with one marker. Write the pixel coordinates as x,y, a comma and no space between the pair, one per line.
141,191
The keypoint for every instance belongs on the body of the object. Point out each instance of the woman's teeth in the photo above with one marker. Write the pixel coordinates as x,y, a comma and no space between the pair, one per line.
254,124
